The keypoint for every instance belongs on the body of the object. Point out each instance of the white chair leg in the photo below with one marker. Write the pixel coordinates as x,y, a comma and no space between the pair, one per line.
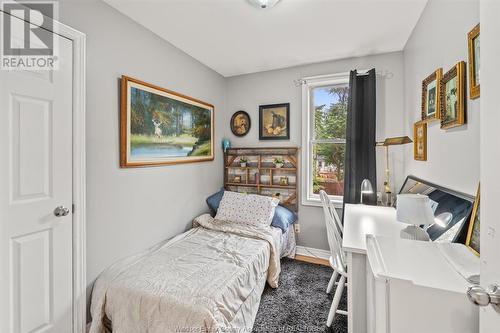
336,301
333,279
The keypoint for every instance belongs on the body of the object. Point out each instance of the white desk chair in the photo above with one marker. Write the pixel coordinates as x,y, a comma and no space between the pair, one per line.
337,258
330,214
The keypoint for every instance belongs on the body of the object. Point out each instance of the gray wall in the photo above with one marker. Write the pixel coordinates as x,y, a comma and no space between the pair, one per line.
440,40
247,92
128,210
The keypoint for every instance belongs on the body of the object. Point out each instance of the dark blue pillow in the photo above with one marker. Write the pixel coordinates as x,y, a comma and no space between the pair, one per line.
213,201
283,217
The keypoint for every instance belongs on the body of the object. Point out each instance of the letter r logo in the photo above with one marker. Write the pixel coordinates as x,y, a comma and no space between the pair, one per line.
23,38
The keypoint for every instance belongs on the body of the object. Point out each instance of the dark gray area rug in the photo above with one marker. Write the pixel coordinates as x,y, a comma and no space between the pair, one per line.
300,303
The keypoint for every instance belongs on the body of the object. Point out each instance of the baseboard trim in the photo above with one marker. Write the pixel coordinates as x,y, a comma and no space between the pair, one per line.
312,255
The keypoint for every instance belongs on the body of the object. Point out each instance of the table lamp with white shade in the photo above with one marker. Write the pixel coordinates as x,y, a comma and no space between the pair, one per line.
366,188
414,209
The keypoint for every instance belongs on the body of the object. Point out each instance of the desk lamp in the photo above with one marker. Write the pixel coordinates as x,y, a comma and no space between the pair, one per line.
414,209
395,141
366,188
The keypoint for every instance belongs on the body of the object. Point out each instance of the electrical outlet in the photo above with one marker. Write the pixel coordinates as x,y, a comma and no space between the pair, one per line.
296,228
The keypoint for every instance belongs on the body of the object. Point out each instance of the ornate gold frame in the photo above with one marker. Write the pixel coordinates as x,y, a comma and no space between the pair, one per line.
436,76
472,221
457,71
418,124
125,121
474,87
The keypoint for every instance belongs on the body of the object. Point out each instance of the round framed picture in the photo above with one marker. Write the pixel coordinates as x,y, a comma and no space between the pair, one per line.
240,123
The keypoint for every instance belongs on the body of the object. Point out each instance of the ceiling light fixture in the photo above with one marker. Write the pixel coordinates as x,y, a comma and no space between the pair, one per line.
263,4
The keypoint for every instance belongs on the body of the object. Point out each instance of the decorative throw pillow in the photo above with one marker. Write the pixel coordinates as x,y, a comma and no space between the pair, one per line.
213,201
283,218
246,208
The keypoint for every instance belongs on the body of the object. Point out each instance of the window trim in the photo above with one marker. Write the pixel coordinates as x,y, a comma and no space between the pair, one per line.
308,198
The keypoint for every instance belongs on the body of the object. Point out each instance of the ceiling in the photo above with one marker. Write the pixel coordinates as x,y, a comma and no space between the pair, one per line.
232,37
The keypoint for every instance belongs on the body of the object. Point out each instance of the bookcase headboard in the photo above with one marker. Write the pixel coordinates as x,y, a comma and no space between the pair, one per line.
267,171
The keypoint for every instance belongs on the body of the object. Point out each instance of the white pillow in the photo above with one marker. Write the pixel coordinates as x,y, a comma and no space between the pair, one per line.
246,208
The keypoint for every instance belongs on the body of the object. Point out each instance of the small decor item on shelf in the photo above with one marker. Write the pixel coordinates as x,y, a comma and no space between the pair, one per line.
284,181
474,85
240,123
453,99
420,141
279,162
237,179
274,122
243,161
226,144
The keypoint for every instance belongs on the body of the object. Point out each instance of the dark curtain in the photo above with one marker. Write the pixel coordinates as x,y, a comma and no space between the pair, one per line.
360,160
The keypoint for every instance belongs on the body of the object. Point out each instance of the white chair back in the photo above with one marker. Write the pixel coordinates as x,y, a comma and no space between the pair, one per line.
334,234
329,209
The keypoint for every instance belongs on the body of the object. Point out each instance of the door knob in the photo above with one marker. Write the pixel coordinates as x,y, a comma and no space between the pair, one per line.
61,211
481,297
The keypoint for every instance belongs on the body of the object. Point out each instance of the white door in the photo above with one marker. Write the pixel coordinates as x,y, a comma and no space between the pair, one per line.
490,159
35,178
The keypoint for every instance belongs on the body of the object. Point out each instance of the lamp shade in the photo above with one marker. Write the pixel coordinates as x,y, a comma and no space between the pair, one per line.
414,209
366,187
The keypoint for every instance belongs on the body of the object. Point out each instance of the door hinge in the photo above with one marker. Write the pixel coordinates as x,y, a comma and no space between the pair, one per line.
73,208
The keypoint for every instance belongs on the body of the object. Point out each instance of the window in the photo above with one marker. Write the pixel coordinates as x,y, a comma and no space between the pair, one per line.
325,115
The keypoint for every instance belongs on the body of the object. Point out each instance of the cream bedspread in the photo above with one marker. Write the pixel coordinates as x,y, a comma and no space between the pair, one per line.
208,279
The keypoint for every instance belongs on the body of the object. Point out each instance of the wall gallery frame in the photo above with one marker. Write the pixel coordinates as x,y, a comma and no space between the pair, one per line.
240,123
431,90
274,122
472,241
474,63
161,127
453,97
420,141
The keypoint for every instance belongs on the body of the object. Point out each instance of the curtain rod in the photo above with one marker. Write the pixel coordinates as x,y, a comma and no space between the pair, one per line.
362,72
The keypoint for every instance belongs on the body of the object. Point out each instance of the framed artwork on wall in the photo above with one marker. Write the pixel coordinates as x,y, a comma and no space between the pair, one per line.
472,241
474,63
453,98
431,90
240,123
420,141
274,122
161,127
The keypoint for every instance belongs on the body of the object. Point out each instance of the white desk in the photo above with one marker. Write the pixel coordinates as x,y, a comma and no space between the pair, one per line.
413,287
359,221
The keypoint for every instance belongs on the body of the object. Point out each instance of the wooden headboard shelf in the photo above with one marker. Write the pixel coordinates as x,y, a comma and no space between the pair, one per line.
261,175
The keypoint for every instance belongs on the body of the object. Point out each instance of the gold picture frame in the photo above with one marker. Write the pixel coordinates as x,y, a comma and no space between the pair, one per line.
474,63
452,98
420,141
472,241
431,92
162,127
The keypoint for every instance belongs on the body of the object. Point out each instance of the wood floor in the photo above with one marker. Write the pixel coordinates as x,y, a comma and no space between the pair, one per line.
312,260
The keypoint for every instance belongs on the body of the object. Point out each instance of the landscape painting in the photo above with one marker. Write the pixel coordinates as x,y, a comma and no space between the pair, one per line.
161,127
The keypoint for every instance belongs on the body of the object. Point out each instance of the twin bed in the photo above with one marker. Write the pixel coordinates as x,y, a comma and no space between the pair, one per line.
208,279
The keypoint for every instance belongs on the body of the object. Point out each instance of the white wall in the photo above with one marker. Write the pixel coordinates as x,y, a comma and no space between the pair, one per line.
490,157
128,210
440,40
247,92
